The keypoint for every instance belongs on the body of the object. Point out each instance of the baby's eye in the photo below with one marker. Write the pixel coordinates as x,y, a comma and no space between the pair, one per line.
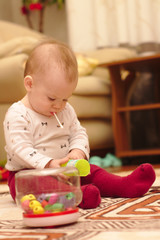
65,100
51,99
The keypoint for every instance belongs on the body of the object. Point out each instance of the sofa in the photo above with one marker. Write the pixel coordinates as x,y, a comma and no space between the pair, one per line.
91,99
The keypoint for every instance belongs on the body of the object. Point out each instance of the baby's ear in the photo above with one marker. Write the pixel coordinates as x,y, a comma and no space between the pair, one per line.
28,83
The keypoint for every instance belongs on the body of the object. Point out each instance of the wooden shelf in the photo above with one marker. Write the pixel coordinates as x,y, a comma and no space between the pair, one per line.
134,153
139,107
143,63
120,90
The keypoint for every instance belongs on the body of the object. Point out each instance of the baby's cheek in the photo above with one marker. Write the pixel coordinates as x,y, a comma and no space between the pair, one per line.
64,104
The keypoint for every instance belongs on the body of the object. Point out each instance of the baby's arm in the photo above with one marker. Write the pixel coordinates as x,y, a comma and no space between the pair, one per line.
19,143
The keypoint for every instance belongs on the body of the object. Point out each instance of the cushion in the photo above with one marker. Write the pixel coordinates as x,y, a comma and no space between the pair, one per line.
86,65
102,73
11,75
92,106
17,45
3,110
100,133
93,85
111,54
11,30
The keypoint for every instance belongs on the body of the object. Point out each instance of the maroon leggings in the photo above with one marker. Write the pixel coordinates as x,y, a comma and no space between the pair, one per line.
106,184
50,181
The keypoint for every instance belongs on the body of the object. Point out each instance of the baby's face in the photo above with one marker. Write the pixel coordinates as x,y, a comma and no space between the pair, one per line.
50,92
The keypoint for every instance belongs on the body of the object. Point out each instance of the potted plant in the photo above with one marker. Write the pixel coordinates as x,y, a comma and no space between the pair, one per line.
29,6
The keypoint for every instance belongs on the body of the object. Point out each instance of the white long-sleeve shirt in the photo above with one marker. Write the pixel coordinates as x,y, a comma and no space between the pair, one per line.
32,139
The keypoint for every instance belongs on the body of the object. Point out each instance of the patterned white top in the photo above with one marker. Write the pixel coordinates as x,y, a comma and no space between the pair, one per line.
32,139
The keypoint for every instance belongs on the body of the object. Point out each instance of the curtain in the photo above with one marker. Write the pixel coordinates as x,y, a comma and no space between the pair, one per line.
96,24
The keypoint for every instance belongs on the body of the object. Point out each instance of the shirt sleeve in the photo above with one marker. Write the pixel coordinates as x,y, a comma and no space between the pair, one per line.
20,143
78,136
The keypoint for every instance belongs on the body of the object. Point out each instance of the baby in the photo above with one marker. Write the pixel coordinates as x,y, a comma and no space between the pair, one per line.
35,139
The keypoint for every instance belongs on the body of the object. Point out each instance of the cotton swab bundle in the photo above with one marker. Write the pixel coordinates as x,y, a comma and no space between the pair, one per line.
57,119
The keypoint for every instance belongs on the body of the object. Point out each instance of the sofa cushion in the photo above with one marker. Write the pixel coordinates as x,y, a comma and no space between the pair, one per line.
100,133
3,110
92,106
17,45
86,65
11,30
11,75
111,54
93,85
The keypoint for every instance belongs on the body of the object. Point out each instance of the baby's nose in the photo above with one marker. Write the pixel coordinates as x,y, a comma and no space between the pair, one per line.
57,104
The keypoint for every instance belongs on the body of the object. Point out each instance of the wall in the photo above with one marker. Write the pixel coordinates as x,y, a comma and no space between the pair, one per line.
55,23
5,10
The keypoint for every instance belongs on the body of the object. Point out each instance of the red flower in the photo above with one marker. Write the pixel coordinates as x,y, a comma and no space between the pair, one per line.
35,6
38,6
32,6
24,10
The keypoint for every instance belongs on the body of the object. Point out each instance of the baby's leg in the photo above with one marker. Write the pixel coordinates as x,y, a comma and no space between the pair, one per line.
134,185
11,184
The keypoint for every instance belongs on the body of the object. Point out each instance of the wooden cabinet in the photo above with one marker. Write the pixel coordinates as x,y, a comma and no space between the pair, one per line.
122,76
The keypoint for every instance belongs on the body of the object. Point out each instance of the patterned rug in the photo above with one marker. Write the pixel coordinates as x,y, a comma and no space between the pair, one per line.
115,218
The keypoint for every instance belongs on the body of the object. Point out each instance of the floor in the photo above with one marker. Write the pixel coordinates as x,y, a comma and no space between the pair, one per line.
126,168
117,218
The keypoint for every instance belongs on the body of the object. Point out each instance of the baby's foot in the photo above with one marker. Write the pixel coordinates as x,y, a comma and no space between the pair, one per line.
138,182
91,197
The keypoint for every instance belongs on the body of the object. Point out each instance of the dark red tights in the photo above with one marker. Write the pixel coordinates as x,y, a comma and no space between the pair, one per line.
99,183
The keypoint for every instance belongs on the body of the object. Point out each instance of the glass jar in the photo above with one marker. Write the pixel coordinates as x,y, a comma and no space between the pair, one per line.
48,194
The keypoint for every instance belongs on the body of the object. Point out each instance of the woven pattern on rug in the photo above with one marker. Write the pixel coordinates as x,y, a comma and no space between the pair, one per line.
113,216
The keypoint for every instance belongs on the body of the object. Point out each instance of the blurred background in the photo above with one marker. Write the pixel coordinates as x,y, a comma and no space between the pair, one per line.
91,24
104,30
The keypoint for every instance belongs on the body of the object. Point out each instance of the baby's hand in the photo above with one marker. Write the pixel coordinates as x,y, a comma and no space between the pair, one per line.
76,154
56,163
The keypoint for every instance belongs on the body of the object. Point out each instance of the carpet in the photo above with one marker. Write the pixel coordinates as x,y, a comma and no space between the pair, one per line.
115,218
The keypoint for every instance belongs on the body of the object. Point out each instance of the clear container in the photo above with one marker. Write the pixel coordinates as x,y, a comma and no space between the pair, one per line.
48,197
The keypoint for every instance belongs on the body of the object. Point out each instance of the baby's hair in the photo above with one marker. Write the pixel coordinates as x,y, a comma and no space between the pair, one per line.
52,53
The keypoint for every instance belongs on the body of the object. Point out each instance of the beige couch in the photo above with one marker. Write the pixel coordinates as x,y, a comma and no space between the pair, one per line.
91,99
